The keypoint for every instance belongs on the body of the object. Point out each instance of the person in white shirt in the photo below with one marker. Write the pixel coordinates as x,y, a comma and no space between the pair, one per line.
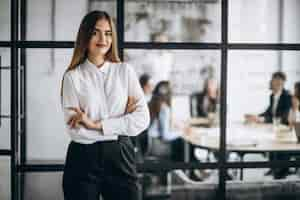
103,106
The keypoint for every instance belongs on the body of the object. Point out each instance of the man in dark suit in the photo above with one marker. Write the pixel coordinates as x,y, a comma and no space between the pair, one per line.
279,107
280,102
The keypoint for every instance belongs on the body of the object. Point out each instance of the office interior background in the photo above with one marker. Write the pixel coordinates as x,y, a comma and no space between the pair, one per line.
239,43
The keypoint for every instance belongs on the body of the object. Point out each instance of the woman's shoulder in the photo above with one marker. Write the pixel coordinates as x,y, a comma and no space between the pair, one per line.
165,107
124,68
73,74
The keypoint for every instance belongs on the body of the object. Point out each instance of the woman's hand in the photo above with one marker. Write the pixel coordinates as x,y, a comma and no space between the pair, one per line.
131,105
251,118
81,118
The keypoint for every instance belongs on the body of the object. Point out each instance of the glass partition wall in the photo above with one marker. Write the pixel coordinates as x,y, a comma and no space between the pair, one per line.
216,48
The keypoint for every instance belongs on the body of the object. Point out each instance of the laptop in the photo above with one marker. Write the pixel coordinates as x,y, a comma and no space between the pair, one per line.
297,131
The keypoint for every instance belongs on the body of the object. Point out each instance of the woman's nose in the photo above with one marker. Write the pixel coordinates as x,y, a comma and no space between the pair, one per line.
101,38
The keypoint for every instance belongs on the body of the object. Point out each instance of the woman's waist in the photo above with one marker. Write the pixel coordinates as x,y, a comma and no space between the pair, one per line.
88,138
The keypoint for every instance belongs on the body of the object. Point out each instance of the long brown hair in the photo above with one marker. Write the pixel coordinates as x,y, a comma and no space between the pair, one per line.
83,38
161,94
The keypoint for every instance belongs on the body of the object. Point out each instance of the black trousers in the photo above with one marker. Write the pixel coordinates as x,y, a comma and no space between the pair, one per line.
107,168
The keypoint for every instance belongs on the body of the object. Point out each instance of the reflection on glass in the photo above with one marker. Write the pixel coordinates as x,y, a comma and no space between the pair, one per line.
43,186
5,178
172,21
44,117
273,21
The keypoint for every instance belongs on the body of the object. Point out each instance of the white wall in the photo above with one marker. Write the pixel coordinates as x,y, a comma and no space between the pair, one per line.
249,72
5,74
291,34
5,20
46,136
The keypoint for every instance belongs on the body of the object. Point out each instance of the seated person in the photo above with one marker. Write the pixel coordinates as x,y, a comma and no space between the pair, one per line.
294,114
161,124
280,102
167,142
145,82
141,141
206,100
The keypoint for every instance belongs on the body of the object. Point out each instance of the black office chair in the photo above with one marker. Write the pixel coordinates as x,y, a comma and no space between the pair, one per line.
193,112
148,151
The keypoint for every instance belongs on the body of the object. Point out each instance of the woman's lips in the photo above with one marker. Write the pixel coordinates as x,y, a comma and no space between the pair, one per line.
100,45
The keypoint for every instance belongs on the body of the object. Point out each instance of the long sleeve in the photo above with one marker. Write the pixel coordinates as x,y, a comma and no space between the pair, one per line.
282,108
134,123
70,99
164,124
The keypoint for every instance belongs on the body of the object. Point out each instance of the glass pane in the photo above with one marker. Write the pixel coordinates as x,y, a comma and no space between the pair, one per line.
56,21
173,21
45,126
46,186
179,77
5,133
5,56
5,20
5,74
257,185
263,109
5,192
178,185
274,21
110,6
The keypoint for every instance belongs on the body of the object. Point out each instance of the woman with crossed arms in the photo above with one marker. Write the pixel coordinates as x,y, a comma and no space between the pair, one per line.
103,106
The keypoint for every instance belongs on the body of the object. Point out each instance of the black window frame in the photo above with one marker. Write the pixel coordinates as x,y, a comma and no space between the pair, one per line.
18,46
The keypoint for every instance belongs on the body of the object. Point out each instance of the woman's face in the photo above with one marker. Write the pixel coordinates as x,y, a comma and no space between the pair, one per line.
101,39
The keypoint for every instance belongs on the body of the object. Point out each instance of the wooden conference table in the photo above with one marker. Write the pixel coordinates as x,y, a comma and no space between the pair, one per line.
241,138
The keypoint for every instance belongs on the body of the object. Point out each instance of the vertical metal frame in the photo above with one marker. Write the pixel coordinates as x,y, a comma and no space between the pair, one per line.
14,107
0,92
120,26
23,140
223,107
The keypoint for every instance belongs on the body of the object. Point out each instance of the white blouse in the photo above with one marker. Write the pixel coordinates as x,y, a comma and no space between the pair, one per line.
103,93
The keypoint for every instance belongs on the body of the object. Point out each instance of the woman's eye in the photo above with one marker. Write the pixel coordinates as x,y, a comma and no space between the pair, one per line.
108,33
